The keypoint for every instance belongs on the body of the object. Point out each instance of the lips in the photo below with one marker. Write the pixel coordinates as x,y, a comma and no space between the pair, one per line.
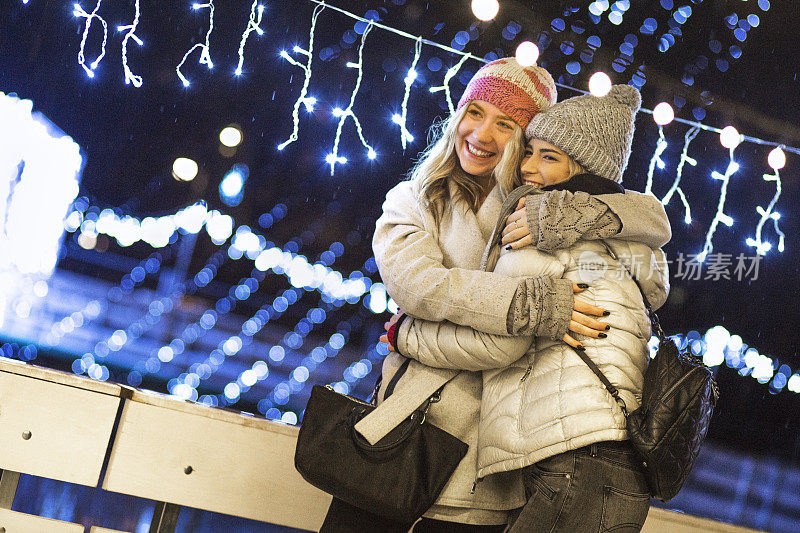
532,182
477,152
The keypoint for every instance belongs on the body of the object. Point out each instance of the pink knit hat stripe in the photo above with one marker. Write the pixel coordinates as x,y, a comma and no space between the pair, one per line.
508,97
542,87
520,92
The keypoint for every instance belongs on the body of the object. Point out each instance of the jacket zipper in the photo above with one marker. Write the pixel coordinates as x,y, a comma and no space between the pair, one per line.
527,370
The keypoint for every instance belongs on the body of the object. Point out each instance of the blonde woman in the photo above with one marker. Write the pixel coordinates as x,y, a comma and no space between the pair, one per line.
428,245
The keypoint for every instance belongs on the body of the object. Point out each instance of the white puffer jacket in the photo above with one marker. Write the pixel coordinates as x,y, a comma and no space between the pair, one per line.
539,398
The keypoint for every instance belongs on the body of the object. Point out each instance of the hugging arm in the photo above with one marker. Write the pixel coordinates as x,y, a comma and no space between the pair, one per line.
556,219
411,265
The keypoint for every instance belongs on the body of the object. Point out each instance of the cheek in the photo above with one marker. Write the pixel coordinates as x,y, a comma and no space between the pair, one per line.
557,175
502,140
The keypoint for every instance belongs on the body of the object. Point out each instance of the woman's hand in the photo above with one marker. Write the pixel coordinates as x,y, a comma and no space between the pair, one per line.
516,233
387,326
582,321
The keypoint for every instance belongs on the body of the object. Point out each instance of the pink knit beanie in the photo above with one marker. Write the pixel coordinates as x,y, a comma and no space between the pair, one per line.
520,92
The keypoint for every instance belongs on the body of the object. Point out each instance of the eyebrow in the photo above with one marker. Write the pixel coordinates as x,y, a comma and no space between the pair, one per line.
501,117
550,151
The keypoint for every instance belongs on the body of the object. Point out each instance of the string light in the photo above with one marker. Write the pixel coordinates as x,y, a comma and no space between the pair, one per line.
690,135
485,9
205,56
718,346
333,158
661,145
527,53
720,216
155,231
79,12
233,344
729,137
599,84
130,77
155,311
252,25
309,102
400,120
95,307
776,160
445,86
663,114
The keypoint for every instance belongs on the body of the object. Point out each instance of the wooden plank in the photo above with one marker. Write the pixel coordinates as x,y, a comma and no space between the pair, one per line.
664,521
98,529
21,368
52,430
225,415
192,460
15,522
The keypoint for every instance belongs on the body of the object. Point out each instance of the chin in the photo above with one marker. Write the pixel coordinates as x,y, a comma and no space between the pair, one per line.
475,168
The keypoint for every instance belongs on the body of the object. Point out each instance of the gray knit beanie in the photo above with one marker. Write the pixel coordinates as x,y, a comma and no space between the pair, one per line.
595,131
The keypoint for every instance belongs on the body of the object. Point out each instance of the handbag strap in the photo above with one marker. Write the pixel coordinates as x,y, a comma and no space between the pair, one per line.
599,373
397,375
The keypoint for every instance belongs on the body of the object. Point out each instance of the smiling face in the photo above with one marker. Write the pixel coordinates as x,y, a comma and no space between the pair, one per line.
544,164
482,137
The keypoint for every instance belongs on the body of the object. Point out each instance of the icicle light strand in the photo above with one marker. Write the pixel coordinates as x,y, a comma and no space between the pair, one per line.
205,54
334,157
308,101
130,77
78,11
253,25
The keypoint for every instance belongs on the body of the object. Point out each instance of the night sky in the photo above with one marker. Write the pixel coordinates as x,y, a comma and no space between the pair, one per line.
130,136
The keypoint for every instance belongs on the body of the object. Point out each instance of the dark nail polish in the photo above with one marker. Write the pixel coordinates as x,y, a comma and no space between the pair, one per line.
606,313
508,247
580,348
583,285
602,335
608,327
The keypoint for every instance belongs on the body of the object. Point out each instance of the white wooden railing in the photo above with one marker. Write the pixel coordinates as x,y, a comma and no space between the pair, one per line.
66,427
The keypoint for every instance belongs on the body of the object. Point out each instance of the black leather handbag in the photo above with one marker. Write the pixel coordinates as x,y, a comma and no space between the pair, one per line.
399,477
678,398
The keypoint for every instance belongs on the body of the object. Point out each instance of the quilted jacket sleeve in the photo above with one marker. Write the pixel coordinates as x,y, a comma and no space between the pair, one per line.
648,266
448,345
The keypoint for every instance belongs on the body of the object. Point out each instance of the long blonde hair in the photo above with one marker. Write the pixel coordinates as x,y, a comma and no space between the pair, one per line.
439,162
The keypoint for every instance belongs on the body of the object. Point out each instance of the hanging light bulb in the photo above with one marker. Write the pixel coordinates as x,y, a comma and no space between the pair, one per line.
776,158
663,114
527,54
729,137
485,9
231,136
599,84
184,169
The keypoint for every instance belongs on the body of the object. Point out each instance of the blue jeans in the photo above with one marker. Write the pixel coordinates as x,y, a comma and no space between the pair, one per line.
596,488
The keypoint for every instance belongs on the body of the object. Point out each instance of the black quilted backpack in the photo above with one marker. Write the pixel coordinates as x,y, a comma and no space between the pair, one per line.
678,398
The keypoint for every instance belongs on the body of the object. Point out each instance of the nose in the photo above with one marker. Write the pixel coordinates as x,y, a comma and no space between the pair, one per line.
530,165
483,132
